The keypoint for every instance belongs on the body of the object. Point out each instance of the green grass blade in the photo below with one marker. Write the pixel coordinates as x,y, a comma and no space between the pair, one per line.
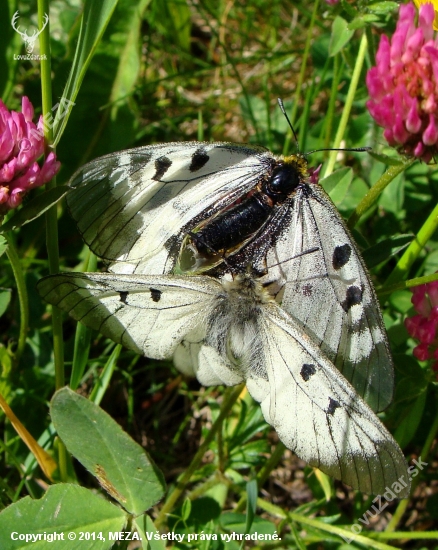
95,19
105,377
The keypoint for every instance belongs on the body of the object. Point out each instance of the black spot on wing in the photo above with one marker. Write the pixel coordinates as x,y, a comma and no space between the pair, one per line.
341,255
123,295
162,164
353,297
307,290
199,159
155,294
333,405
307,371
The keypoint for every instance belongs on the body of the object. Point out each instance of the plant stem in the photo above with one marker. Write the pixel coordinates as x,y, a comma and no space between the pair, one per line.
412,252
230,397
51,215
46,83
14,259
348,103
403,285
371,197
82,337
332,101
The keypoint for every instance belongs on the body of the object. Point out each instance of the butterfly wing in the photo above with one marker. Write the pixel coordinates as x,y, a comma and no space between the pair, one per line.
212,368
318,414
328,290
137,205
149,315
193,358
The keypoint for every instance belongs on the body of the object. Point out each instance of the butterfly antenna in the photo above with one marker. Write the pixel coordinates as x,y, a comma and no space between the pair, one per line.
354,150
283,110
309,251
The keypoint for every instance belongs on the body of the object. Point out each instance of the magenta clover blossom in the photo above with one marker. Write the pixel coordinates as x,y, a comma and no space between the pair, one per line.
21,144
423,327
403,86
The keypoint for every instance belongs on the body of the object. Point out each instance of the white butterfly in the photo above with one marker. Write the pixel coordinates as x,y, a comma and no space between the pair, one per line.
233,330
183,207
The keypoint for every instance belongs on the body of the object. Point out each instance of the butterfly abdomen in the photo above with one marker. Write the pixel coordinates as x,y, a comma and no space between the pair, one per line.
233,226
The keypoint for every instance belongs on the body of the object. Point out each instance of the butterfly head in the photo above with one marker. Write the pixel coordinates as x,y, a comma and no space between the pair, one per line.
288,174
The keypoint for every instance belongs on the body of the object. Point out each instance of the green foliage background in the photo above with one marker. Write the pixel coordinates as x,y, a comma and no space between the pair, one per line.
148,71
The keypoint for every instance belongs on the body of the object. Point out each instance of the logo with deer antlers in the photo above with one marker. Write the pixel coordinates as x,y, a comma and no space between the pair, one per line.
29,41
